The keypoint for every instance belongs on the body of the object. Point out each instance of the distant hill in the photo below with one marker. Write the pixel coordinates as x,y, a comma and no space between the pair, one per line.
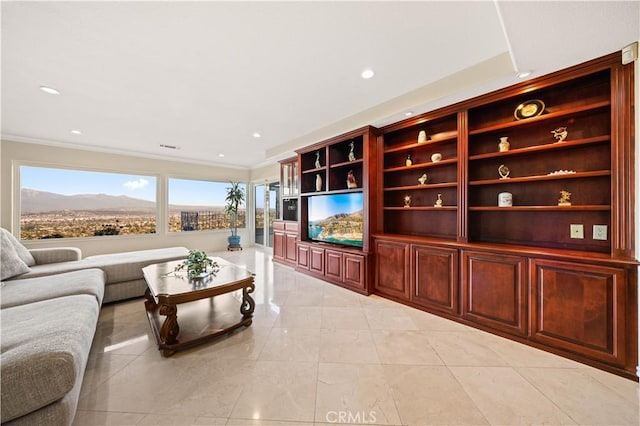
33,201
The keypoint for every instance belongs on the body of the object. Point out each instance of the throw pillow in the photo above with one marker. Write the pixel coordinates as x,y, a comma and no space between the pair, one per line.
11,264
21,250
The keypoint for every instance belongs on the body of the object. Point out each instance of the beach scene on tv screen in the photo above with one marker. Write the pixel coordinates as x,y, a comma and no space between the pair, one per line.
336,218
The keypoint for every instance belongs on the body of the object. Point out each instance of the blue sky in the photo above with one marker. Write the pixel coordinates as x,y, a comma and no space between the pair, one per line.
73,182
324,206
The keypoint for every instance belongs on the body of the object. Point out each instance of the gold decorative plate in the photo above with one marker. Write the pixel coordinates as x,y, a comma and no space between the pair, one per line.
529,109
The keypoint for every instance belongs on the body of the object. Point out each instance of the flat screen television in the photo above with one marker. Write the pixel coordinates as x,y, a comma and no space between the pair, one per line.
336,218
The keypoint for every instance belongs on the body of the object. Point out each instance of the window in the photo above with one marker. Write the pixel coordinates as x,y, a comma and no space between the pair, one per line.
63,203
197,205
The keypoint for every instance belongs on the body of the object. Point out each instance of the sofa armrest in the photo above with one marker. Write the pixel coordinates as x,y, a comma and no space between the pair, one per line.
55,255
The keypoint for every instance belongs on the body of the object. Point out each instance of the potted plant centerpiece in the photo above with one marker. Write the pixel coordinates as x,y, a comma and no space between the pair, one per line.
197,264
235,197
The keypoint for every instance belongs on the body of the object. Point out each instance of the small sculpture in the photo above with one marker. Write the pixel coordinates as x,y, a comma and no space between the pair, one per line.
438,201
423,179
352,156
503,171
422,136
435,157
505,199
560,134
565,196
504,144
407,200
408,162
351,180
318,182
318,160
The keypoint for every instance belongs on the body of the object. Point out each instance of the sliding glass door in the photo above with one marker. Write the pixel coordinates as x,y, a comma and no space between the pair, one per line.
267,209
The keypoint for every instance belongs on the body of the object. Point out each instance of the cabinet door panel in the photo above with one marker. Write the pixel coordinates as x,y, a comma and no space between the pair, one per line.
392,269
354,267
316,260
434,278
494,290
333,264
303,256
290,247
278,245
580,308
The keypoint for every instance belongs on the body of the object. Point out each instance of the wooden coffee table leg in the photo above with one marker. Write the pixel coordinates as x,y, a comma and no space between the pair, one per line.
248,304
170,329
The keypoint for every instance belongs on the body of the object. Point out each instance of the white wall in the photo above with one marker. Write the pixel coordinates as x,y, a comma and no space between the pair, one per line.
14,153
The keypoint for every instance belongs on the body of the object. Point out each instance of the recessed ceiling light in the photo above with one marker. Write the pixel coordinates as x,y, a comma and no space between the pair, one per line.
49,90
408,113
524,74
256,135
76,132
368,73
221,155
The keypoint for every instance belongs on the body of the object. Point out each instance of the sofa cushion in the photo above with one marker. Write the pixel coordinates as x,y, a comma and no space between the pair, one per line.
44,351
20,292
54,268
11,265
21,250
127,266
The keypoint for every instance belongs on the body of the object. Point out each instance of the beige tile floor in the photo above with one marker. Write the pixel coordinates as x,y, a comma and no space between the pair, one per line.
317,354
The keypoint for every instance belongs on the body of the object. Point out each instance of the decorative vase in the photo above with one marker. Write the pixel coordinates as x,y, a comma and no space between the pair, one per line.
505,199
317,164
422,136
351,180
436,157
438,201
408,161
233,240
504,144
318,183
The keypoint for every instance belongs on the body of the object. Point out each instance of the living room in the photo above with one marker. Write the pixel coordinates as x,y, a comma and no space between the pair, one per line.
141,94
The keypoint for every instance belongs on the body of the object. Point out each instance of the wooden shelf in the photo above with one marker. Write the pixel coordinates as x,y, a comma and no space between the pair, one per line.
541,208
539,148
443,208
426,186
422,165
543,117
319,169
347,163
436,140
542,177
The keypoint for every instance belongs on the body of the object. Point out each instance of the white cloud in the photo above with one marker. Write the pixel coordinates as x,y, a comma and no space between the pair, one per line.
136,184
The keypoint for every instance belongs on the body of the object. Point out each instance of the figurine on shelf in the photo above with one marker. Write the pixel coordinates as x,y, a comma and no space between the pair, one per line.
408,162
318,160
565,196
407,200
422,136
318,182
504,144
352,156
560,134
438,201
503,171
351,180
436,156
505,199
423,179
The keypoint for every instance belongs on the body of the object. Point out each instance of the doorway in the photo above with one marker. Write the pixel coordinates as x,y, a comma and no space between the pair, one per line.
268,195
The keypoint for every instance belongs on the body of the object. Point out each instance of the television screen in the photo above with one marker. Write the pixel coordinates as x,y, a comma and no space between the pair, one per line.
336,218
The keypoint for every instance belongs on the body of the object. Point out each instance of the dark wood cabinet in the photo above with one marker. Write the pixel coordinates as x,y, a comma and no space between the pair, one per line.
355,272
434,278
581,308
316,259
494,290
333,264
303,257
345,267
392,269
285,234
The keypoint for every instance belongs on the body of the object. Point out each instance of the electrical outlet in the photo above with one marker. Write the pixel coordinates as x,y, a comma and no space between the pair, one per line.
600,232
577,230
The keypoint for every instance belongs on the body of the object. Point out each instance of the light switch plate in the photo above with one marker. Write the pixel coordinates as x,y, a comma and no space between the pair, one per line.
577,230
600,232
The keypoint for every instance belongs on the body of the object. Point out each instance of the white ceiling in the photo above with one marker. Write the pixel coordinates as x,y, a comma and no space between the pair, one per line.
205,76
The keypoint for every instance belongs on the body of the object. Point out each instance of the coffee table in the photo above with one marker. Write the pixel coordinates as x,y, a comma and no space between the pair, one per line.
203,319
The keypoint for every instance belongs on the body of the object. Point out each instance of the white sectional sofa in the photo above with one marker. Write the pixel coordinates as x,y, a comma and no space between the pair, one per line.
50,301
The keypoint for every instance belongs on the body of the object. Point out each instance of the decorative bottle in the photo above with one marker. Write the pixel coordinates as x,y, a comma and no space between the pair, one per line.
318,182
408,162
504,144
